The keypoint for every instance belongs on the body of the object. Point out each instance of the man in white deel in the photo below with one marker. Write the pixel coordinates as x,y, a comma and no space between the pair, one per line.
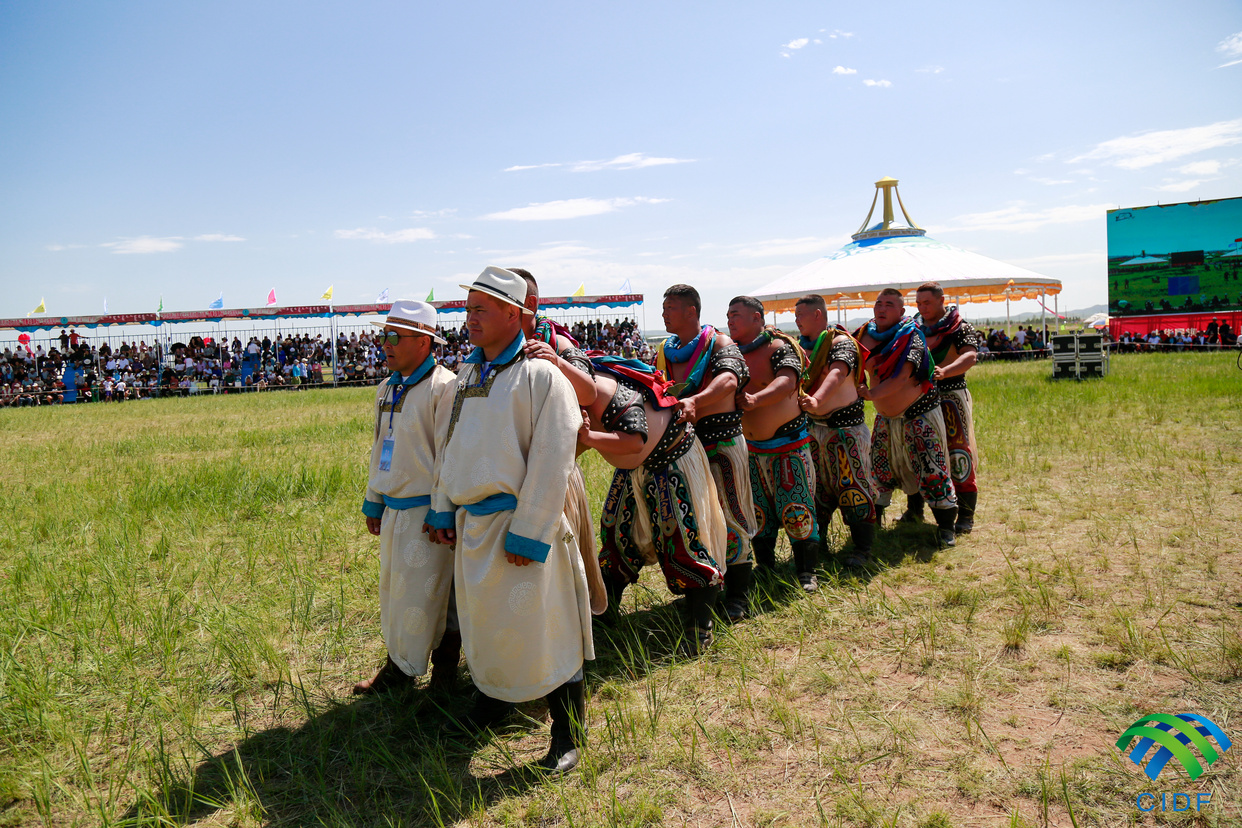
501,478
416,575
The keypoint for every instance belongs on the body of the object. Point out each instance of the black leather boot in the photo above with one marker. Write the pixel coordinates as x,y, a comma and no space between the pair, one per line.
966,502
444,659
389,677
914,510
944,522
765,552
567,709
486,713
700,620
806,562
879,517
863,534
612,615
738,580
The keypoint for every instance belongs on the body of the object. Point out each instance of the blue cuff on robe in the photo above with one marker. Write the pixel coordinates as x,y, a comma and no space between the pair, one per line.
372,509
527,547
440,520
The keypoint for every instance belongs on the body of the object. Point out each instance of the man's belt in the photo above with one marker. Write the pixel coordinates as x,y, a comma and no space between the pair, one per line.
406,502
677,440
491,505
928,402
850,415
957,383
716,427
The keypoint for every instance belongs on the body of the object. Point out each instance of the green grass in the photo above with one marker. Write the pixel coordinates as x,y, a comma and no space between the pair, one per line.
187,593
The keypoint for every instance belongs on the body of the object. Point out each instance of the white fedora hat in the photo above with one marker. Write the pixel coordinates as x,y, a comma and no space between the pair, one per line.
412,315
505,285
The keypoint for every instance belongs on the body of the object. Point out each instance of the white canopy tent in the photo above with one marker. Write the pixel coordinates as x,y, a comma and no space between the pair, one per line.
888,255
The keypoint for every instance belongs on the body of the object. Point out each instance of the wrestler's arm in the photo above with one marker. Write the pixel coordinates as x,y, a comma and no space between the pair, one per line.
816,402
723,384
966,360
583,385
783,386
891,385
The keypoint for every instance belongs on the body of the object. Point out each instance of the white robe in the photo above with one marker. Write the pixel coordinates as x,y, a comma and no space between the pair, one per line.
415,574
525,629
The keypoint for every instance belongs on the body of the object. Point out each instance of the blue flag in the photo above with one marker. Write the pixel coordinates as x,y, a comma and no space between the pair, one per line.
218,304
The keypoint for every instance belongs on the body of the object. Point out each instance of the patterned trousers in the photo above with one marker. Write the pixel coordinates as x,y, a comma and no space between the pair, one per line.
959,425
909,453
843,461
730,471
783,480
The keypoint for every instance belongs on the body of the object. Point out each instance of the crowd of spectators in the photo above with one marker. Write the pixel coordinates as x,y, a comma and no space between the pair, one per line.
72,369
1026,343
1216,335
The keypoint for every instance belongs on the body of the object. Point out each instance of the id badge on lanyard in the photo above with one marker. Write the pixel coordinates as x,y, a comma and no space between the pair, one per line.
385,463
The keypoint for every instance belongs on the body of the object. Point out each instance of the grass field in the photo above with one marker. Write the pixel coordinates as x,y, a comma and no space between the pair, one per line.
187,593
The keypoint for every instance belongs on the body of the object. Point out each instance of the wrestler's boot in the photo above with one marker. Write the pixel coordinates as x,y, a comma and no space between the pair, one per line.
389,677
765,552
738,581
487,712
966,502
863,534
944,521
914,510
700,620
612,615
806,562
444,659
567,709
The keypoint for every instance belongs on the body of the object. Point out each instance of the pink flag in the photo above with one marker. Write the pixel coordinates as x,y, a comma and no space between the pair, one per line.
271,297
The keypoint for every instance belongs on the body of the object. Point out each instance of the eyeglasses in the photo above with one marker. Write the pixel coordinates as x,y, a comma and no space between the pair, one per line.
393,338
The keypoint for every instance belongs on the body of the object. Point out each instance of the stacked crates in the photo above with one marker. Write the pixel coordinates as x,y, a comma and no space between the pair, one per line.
1079,356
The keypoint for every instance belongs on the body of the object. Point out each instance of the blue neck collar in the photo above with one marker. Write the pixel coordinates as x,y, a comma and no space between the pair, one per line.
419,372
505,357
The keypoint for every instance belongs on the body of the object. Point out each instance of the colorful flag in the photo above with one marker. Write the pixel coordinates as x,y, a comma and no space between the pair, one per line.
382,298
625,288
218,304
431,297
160,309
105,304
581,291
327,294
41,309
271,297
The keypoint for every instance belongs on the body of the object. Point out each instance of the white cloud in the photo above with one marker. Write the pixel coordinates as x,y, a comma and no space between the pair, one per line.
145,244
569,208
218,237
805,246
1200,168
421,214
1017,219
56,248
1231,47
1178,186
838,33
841,70
410,234
628,161
1134,152
1048,182
931,70
797,43
869,82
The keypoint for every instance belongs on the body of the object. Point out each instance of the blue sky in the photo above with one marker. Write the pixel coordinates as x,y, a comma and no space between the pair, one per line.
182,150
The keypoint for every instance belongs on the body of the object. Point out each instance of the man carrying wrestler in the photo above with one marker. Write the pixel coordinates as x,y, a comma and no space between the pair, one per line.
954,347
829,396
416,575
782,468
707,370
499,493
662,503
908,442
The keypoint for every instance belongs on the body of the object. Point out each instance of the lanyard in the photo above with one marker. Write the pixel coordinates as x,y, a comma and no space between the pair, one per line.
397,394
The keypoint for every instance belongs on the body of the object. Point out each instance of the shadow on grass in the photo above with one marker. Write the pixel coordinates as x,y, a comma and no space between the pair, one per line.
374,761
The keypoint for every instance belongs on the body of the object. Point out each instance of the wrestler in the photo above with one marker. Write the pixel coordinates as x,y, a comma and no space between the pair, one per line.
829,396
707,369
955,349
908,439
782,469
416,575
499,493
662,504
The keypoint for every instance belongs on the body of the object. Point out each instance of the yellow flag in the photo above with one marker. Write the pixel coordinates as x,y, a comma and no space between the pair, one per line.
581,291
41,309
327,294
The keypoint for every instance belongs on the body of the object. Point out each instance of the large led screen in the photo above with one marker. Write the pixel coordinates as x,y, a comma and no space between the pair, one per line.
1175,258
